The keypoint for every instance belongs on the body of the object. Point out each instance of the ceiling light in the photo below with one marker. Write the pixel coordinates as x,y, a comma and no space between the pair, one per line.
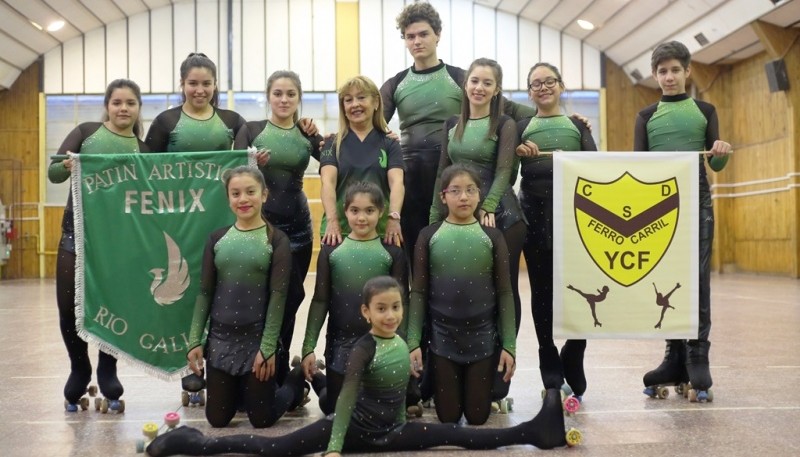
55,26
585,25
37,25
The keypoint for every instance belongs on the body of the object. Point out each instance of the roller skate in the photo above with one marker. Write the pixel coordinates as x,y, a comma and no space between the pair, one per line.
570,403
105,405
296,361
547,430
194,393
82,403
110,386
74,391
297,381
574,377
699,374
414,406
671,372
151,430
503,406
415,410
553,378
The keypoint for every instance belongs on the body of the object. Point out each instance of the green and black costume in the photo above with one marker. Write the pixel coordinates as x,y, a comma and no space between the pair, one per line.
290,151
86,138
536,198
371,417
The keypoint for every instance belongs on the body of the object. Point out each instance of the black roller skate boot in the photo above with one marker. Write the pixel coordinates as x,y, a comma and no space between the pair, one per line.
193,390
80,368
550,367
109,384
671,372
572,363
698,370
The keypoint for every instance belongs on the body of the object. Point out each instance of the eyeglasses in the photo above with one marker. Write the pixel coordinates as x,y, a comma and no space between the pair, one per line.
456,191
548,83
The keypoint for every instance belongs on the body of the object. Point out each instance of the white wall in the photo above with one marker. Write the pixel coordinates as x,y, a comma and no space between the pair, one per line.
270,35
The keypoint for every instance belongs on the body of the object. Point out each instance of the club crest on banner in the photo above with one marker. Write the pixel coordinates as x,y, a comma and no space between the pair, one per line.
168,289
626,225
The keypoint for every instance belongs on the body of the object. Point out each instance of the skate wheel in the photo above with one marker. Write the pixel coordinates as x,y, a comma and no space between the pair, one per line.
710,395
544,393
97,403
201,398
120,406
692,395
296,361
662,392
84,403
495,407
415,410
505,407
150,430
510,403
92,391
680,389
574,437
172,419
185,398
571,405
104,406
140,445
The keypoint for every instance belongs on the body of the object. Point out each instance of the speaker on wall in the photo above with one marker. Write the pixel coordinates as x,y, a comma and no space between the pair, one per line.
776,75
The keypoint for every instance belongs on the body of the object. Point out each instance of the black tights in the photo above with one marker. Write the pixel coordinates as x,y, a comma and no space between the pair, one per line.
515,240
77,349
539,257
301,258
264,403
462,389
330,392
544,431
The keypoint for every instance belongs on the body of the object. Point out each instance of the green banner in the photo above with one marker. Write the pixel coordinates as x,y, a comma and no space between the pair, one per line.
141,224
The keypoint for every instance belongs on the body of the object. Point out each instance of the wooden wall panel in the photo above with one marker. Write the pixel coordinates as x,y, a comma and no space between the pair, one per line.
624,101
756,233
19,169
52,236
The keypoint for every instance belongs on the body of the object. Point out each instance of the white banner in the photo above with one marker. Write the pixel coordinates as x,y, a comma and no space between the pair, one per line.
625,245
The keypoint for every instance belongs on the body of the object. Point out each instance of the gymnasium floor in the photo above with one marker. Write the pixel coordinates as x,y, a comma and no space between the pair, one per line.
755,361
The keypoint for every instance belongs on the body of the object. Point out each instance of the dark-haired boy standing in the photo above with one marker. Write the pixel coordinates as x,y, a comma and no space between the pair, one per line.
680,123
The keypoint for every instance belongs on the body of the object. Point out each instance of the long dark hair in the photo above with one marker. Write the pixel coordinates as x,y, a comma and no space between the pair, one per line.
199,60
295,79
125,84
496,106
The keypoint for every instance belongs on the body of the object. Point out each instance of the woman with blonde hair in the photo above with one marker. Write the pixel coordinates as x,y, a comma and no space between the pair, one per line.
361,151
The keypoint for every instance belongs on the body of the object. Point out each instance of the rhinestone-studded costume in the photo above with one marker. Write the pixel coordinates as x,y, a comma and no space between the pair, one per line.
86,138
536,198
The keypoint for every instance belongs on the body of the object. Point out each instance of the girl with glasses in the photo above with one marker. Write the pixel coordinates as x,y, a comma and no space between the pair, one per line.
549,130
461,283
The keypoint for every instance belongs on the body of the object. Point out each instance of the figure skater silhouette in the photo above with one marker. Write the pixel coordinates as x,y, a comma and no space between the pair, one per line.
593,300
663,301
